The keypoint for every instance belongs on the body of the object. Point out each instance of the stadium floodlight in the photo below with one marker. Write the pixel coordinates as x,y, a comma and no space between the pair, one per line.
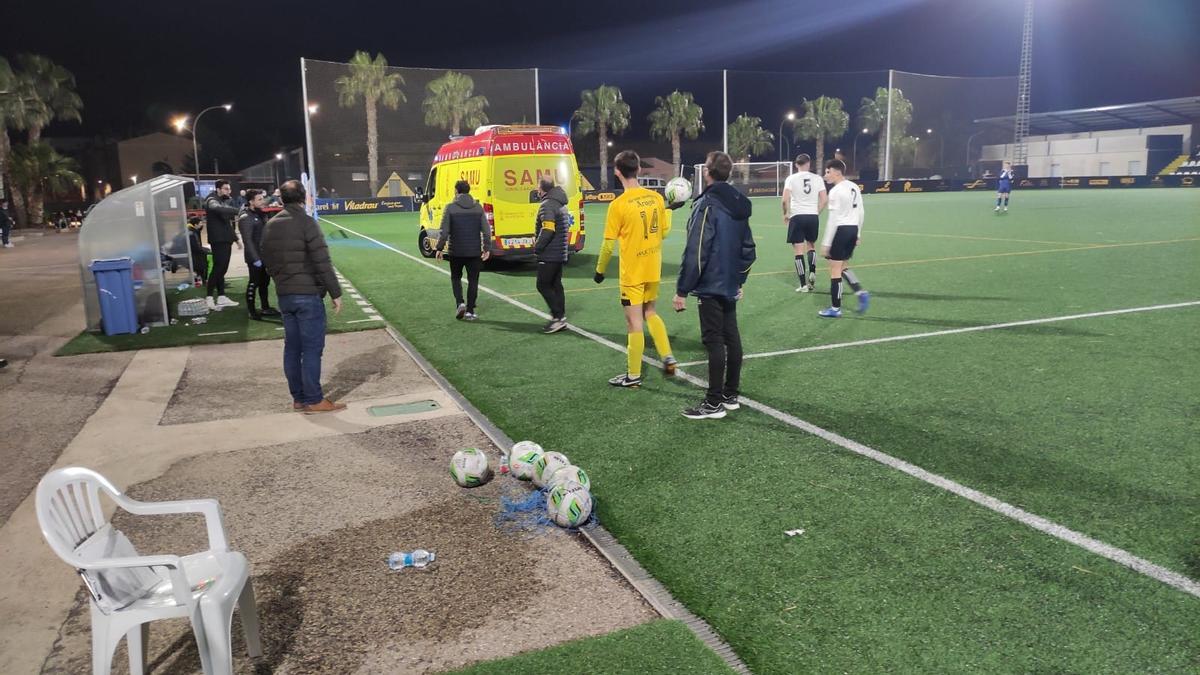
929,131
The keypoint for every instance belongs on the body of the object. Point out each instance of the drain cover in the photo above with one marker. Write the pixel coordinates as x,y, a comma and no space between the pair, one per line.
402,408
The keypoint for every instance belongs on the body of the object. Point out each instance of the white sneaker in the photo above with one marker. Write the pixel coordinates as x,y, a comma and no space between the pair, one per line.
802,288
212,304
1006,209
996,209
224,301
8,245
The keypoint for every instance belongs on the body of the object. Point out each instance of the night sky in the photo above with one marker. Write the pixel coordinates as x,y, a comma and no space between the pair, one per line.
138,63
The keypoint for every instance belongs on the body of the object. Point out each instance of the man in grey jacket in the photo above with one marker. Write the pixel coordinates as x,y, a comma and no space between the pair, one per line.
251,222
553,228
466,227
294,252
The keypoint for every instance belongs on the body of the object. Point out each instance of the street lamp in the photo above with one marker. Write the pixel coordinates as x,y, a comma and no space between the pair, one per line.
313,108
180,124
790,117
275,167
854,153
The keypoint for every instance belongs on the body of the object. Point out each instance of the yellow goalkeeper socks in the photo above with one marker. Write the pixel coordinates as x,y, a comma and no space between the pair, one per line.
658,331
637,345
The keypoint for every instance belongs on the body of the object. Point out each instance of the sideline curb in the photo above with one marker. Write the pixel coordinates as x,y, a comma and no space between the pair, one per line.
642,581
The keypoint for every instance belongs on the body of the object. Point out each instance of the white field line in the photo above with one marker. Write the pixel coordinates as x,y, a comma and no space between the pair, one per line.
953,331
224,332
372,318
1034,521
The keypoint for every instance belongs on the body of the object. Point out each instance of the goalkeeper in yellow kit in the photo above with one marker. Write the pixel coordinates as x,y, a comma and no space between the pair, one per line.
639,220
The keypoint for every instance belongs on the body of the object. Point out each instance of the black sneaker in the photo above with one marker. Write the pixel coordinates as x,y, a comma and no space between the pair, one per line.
705,411
624,380
270,311
461,311
730,402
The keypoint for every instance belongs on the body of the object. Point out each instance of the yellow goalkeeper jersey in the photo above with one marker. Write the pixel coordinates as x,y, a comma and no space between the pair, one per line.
639,221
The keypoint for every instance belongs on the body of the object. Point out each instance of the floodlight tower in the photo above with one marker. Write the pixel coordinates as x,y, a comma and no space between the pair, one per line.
1020,158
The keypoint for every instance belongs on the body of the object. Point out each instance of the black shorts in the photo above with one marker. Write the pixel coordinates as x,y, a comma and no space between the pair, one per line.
844,241
803,228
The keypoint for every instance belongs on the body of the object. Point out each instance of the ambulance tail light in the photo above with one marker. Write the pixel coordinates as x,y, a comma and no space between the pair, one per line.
489,214
582,215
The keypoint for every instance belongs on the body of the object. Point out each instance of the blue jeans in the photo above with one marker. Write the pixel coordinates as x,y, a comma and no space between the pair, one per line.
303,343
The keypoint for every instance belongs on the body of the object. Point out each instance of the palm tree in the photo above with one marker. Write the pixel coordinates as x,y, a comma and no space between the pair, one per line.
746,139
449,103
52,91
823,120
873,116
38,170
601,110
370,80
676,115
16,106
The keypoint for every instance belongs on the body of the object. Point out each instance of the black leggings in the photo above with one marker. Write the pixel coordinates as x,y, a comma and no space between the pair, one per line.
221,252
549,284
719,333
472,264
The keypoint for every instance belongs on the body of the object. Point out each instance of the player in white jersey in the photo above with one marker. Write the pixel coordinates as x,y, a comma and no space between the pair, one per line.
804,198
843,232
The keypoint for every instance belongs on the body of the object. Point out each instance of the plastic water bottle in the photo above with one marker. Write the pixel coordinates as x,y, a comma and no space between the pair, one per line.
418,558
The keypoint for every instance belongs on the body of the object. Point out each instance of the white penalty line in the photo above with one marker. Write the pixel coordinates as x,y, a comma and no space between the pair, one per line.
1022,516
953,331
224,332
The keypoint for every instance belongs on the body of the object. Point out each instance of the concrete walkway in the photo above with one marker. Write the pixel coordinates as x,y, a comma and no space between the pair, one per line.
315,502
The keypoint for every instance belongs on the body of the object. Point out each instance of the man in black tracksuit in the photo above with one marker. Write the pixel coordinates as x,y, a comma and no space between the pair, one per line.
199,250
716,263
219,214
553,228
250,224
465,225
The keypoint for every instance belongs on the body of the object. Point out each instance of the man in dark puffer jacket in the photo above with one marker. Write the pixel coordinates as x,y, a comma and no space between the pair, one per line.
294,252
465,225
554,225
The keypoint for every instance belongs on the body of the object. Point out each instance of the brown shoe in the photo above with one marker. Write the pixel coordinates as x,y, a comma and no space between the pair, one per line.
324,406
298,406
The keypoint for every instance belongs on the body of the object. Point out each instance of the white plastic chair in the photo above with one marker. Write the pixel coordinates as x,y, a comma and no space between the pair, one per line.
129,590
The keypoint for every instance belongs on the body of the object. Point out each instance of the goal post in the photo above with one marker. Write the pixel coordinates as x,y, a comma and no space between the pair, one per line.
754,179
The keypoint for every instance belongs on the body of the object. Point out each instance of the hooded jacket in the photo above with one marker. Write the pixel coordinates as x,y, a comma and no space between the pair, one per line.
250,225
219,214
720,246
466,226
554,227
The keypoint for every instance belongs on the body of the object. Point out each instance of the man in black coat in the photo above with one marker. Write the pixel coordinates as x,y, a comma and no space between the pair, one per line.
294,252
465,226
219,214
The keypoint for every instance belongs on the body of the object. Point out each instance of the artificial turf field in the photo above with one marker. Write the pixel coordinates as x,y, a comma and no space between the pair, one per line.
1088,422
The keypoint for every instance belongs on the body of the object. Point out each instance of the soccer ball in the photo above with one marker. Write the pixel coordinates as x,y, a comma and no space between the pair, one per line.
678,190
570,473
569,504
522,458
546,465
469,468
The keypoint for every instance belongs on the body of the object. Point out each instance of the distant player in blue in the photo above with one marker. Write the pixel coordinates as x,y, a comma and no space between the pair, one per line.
1004,186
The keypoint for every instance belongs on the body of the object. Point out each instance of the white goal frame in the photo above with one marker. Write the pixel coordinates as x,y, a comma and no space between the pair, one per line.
766,178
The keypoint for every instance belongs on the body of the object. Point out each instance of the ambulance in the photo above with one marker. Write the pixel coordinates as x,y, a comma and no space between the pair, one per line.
503,164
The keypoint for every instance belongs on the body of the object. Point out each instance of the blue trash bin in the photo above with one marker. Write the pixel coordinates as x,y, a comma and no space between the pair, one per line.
114,286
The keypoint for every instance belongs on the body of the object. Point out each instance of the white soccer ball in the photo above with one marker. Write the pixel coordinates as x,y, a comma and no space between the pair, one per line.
679,189
570,473
569,504
522,457
469,468
546,465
